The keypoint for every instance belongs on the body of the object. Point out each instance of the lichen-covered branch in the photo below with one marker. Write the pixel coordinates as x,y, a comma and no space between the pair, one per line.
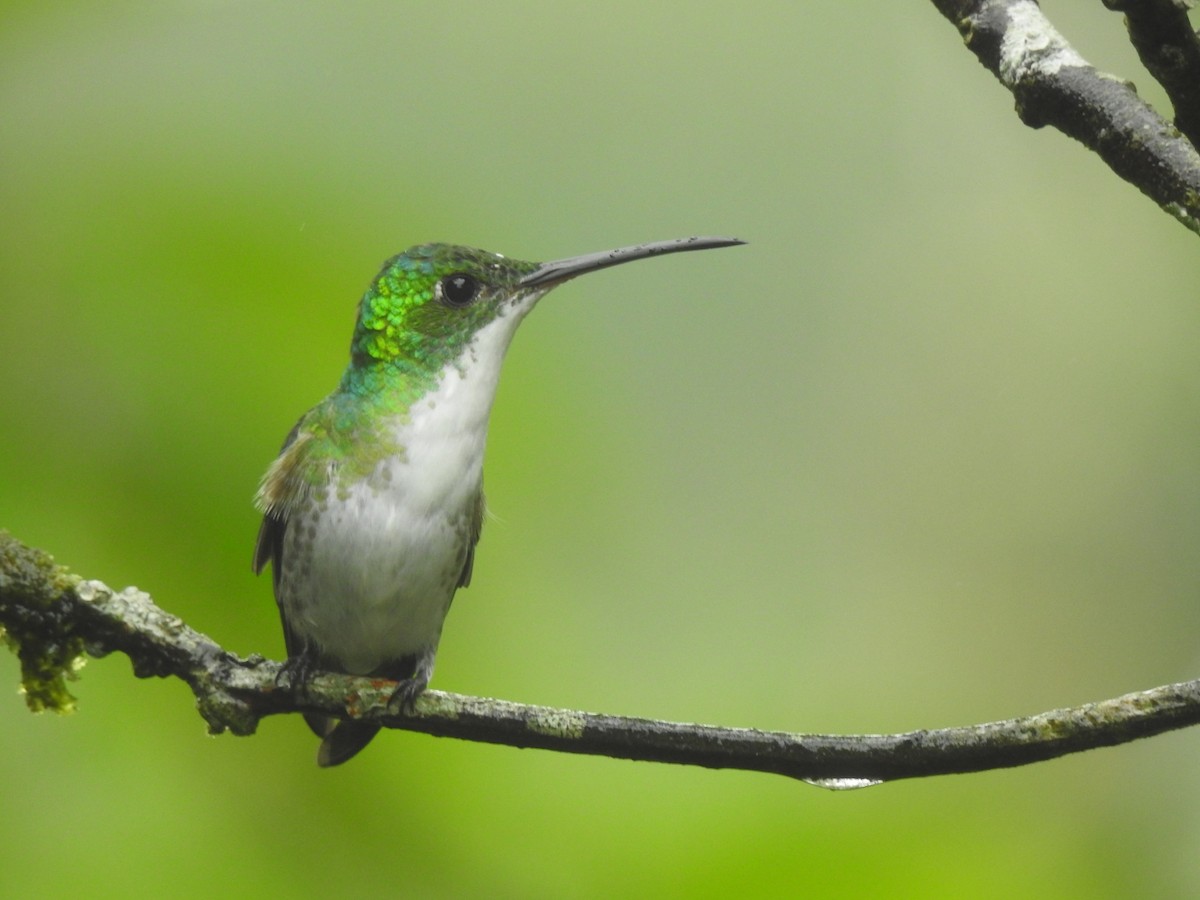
1054,85
1162,34
50,617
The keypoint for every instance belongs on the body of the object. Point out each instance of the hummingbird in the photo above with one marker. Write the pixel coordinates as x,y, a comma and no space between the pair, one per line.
372,510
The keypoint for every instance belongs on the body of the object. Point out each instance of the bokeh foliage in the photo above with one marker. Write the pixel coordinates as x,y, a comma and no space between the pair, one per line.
924,453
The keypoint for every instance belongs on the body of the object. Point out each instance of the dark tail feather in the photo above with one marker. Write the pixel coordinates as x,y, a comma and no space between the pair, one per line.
343,741
320,725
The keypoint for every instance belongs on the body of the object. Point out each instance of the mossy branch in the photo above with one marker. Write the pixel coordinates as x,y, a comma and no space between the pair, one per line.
1054,85
51,617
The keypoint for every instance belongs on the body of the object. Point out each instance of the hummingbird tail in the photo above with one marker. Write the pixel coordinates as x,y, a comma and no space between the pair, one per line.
320,725
343,741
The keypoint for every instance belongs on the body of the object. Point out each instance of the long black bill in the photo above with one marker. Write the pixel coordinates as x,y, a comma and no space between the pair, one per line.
562,269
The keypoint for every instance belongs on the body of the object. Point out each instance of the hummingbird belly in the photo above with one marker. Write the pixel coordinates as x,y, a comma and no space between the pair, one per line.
384,555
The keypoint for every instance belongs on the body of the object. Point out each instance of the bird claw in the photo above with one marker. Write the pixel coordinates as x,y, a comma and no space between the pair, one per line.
296,672
404,697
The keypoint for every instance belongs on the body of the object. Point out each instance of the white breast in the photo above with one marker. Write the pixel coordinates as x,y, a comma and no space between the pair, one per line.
385,553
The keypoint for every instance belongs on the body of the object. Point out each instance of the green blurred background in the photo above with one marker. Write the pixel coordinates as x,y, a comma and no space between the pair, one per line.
924,453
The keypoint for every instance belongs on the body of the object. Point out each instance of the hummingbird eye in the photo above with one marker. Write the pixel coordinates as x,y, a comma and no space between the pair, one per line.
457,290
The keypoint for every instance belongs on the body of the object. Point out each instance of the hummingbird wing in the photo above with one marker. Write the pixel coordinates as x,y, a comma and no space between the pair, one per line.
269,546
269,549
476,526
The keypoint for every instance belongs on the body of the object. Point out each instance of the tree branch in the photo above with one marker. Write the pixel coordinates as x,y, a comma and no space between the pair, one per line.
1162,34
51,618
1054,85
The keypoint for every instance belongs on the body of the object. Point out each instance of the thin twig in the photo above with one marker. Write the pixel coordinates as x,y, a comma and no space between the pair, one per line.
1054,85
52,616
1168,47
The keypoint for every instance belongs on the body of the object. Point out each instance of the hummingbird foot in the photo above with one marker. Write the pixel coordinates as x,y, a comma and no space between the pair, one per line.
409,689
297,671
294,676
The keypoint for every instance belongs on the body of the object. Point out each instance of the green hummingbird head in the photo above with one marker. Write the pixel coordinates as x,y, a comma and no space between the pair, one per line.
427,303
